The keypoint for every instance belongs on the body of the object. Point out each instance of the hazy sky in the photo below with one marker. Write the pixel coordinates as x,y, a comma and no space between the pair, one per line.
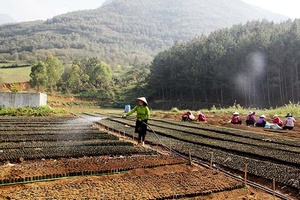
288,8
28,10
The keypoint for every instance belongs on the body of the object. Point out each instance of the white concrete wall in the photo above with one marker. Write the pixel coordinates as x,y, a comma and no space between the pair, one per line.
22,99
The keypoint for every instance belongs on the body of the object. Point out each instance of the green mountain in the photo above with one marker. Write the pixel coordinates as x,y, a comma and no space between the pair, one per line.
122,31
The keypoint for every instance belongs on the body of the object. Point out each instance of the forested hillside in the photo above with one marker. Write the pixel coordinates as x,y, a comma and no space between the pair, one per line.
256,64
123,30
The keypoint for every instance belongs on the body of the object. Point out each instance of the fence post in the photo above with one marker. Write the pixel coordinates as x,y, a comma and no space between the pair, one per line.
190,157
211,159
274,189
245,177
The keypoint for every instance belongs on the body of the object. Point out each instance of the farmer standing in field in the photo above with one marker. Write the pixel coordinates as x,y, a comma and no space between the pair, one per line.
142,116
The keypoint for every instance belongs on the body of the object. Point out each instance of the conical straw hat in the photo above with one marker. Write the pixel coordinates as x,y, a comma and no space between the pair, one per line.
143,99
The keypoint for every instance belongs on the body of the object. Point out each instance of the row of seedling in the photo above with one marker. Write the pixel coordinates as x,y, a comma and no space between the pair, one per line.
183,143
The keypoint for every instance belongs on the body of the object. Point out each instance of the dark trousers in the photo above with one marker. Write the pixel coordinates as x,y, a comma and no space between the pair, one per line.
238,122
250,122
141,129
261,124
287,128
184,119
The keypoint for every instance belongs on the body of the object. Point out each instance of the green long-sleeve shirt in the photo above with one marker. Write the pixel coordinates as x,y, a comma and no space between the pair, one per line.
142,112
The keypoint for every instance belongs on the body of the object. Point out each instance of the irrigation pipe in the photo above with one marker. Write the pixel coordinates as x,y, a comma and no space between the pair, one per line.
131,118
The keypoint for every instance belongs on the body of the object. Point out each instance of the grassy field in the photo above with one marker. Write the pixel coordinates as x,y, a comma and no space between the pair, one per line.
14,75
106,111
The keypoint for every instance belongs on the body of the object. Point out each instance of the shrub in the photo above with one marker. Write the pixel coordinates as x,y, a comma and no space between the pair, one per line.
213,108
31,111
175,110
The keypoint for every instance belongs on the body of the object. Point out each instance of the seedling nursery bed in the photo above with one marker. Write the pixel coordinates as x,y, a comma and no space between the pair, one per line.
71,158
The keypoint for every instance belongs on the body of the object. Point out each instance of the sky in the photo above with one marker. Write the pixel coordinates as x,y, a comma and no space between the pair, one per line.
29,10
289,8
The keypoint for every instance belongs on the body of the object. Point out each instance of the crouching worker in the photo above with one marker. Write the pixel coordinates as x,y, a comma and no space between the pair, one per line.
277,120
261,122
250,119
188,116
201,117
235,119
142,116
289,122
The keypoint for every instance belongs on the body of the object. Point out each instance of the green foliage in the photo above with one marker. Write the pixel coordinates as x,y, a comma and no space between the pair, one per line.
47,74
15,88
38,76
92,79
54,71
95,95
31,111
101,76
244,64
131,83
292,108
122,30
255,64
213,108
175,110
77,79
15,66
89,78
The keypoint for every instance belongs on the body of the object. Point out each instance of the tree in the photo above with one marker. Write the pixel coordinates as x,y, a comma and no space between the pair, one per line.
54,70
102,76
38,76
77,80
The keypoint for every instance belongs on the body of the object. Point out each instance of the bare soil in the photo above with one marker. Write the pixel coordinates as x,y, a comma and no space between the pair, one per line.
142,183
173,181
223,120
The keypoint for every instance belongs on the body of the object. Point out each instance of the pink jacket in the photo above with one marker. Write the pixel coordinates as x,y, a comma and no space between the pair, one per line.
201,117
235,119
